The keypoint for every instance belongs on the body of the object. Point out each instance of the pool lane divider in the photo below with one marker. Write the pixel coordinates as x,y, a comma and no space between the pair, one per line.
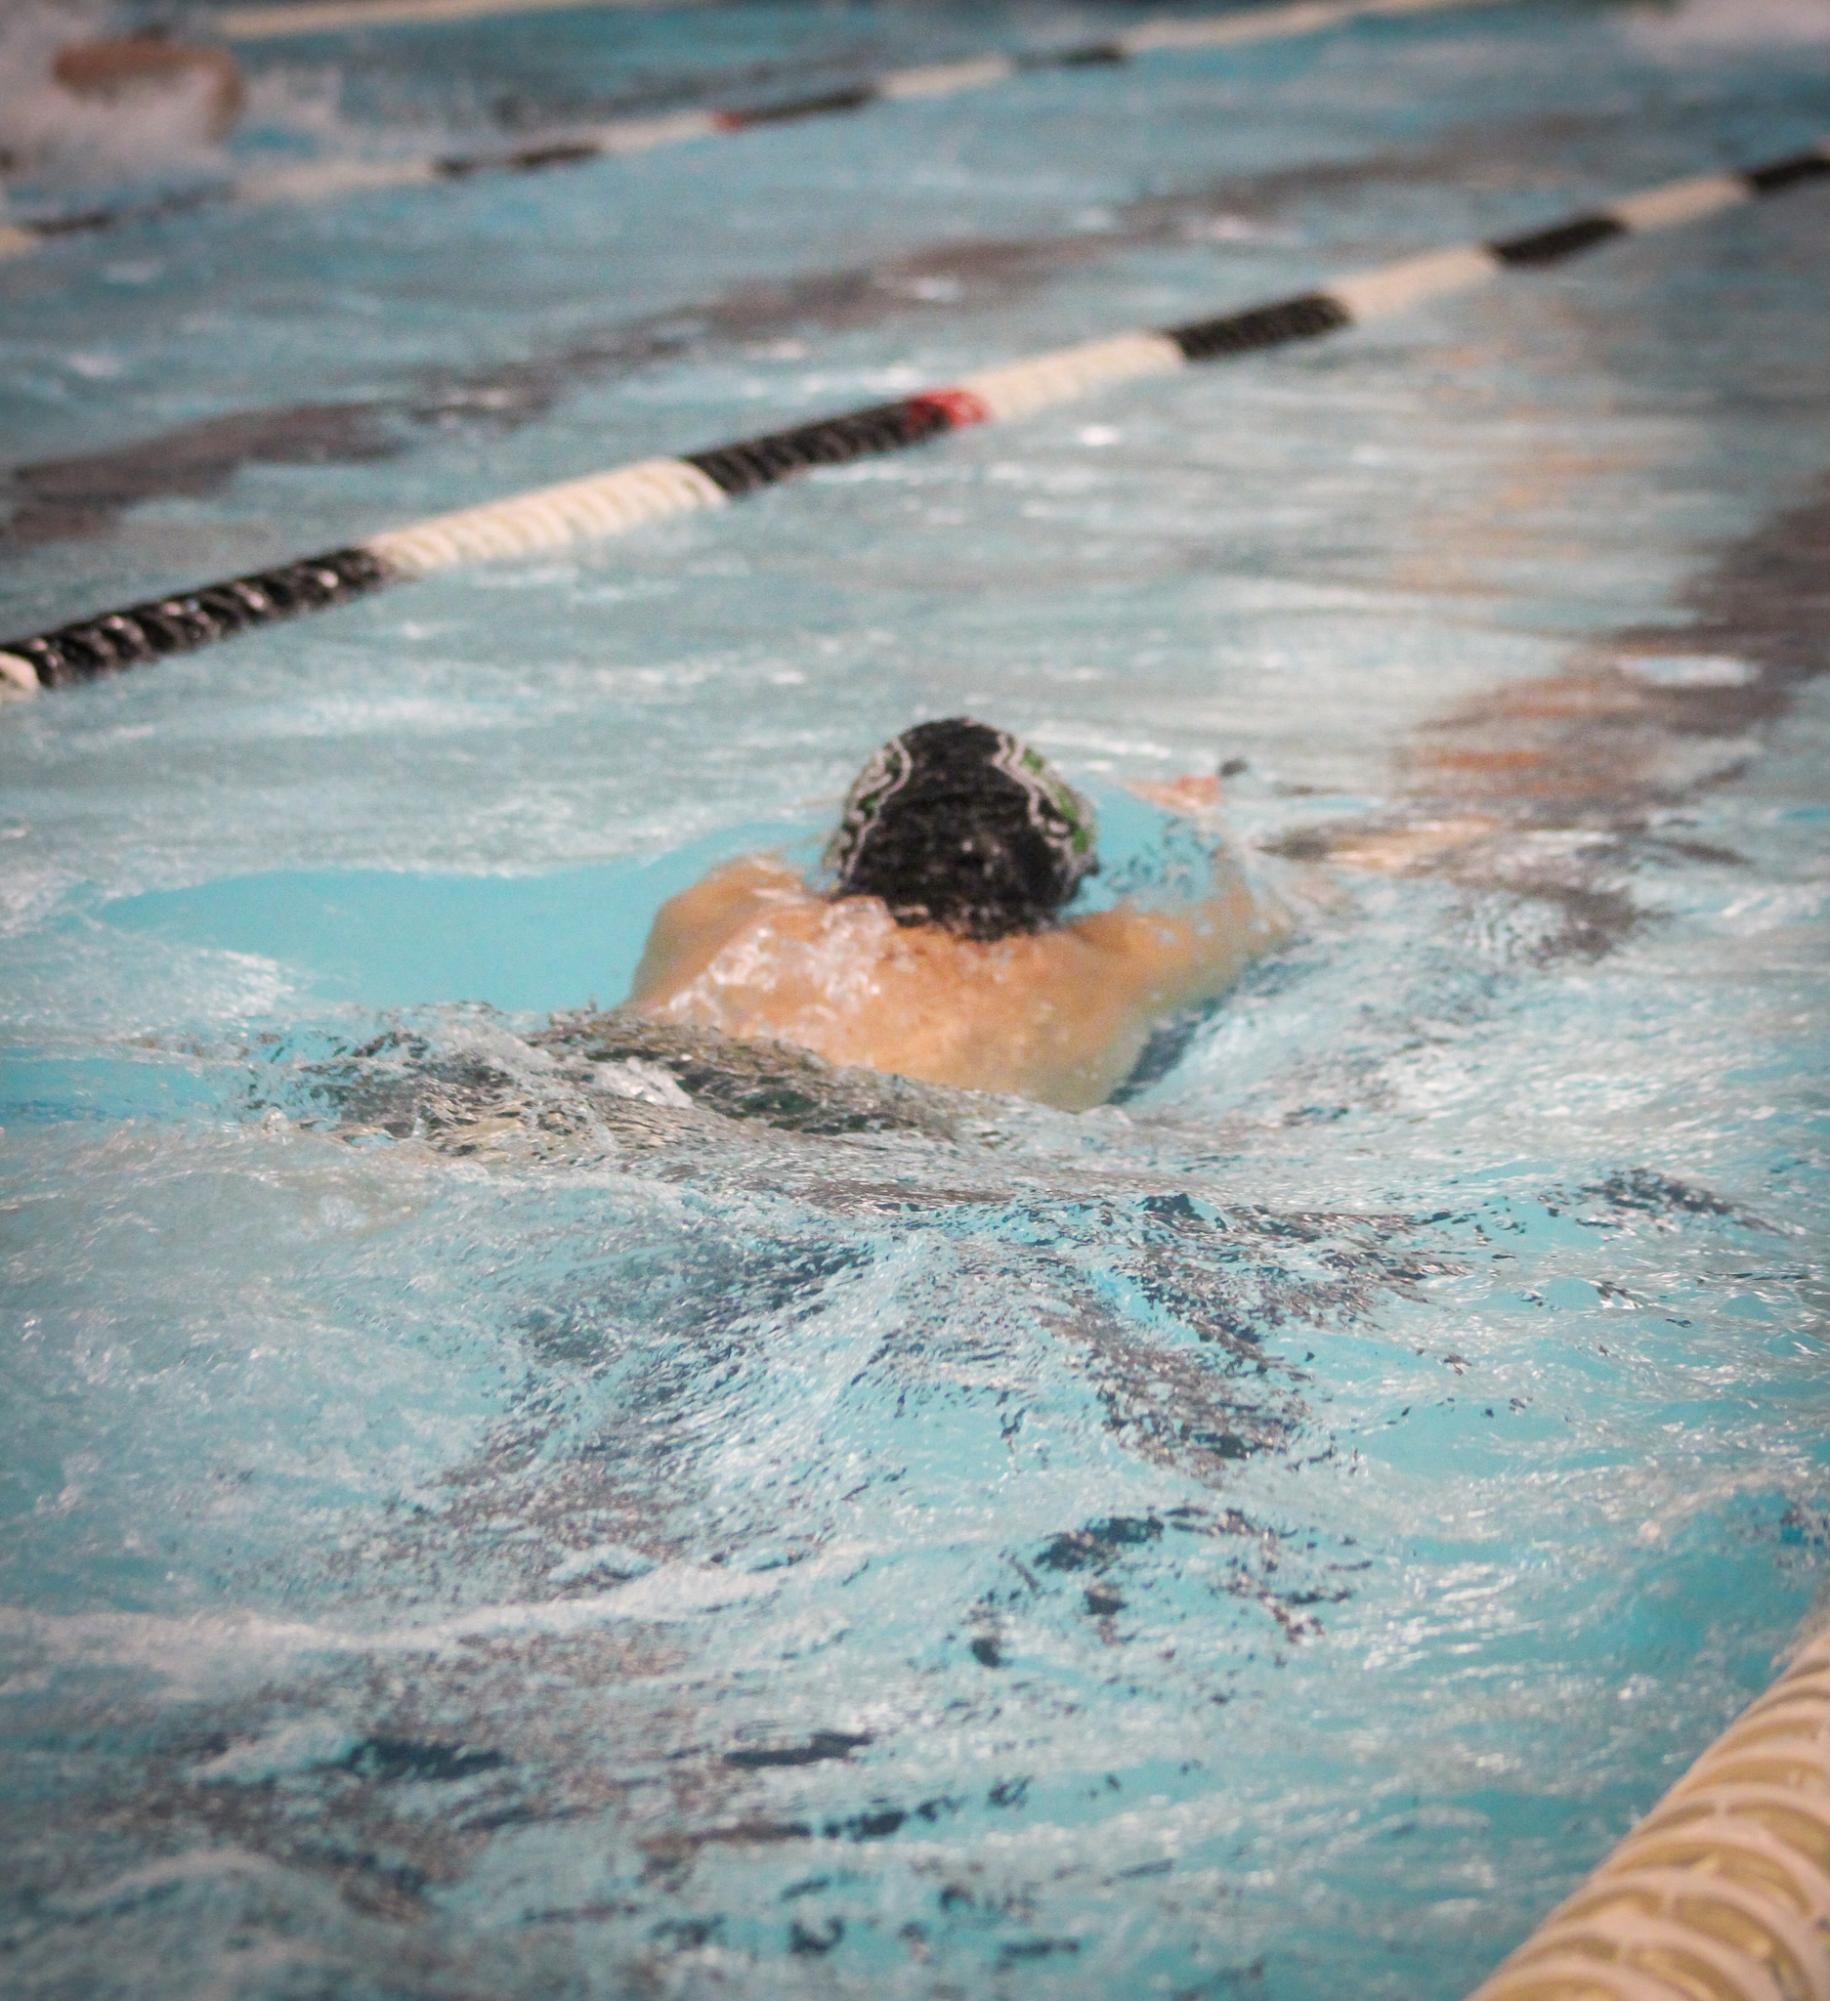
330,180
329,17
1723,1889
614,502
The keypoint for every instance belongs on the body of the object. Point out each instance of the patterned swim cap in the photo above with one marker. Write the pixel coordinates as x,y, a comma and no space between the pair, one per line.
958,824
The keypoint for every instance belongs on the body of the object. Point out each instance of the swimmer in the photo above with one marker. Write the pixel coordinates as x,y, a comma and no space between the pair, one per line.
940,952
118,68
109,69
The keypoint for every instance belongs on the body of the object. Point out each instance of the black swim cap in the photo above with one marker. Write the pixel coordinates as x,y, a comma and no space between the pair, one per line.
958,824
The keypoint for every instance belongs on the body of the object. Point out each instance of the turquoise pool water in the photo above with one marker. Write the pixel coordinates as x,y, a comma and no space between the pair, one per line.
479,1520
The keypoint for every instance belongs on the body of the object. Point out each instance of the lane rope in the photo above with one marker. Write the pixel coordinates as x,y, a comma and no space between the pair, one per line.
328,17
1723,1889
623,137
614,502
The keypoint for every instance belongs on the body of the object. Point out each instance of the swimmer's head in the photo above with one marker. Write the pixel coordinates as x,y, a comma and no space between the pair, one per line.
958,824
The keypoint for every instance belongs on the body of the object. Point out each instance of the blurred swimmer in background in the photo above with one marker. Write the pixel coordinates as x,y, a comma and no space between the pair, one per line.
197,91
119,66
940,950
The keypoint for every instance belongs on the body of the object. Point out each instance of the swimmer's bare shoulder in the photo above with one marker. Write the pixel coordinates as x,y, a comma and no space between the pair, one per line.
1059,1015
1057,1012
1168,959
1176,958
692,928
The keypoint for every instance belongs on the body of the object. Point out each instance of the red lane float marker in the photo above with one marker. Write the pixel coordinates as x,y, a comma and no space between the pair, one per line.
611,503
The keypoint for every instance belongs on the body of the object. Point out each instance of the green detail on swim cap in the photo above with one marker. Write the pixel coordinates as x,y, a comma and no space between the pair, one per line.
1058,813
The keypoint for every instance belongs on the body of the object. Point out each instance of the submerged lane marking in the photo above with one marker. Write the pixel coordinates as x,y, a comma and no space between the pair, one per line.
625,497
321,182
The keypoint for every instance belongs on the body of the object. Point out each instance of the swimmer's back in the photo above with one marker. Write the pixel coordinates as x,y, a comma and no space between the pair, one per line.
1059,1014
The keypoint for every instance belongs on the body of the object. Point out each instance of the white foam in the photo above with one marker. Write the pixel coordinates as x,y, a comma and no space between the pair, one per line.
1692,670
648,1083
314,1740
195,1653
190,1865
585,1563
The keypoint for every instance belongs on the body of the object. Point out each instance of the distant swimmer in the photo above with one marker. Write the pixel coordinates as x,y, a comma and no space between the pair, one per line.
120,65
206,84
940,951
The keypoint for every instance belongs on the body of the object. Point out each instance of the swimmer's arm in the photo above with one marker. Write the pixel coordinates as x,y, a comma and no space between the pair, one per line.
1420,846
689,928
1169,959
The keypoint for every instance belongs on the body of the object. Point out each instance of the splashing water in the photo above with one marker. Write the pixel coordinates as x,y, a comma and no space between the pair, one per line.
500,1499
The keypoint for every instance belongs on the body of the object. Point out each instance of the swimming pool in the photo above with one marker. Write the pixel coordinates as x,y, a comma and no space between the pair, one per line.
468,1531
